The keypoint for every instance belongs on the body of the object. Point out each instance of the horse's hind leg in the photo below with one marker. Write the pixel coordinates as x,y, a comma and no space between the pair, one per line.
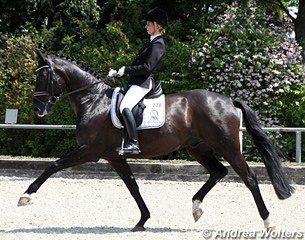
76,157
241,167
216,170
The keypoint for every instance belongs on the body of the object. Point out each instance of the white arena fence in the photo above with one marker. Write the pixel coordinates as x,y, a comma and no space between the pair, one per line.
297,131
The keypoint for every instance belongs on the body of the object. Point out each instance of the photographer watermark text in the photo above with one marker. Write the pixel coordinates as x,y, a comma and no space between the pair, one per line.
264,234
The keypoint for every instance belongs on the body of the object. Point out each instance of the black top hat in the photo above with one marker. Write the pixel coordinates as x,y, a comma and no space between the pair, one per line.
158,15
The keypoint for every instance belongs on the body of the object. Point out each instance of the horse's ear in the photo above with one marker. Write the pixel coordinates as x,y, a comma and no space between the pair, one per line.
40,57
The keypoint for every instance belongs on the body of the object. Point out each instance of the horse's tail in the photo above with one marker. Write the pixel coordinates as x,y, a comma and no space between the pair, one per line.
271,155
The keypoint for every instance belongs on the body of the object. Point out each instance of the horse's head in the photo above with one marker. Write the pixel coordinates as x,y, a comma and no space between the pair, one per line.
58,74
48,88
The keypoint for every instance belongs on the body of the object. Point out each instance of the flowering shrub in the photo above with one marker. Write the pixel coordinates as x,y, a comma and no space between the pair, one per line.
243,59
244,56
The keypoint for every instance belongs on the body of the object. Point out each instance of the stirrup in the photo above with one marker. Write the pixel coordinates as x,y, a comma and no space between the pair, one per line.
130,148
122,151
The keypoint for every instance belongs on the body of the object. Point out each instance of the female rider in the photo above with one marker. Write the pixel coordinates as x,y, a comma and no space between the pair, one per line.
141,74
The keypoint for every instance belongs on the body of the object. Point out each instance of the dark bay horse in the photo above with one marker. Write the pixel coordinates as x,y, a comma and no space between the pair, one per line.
203,122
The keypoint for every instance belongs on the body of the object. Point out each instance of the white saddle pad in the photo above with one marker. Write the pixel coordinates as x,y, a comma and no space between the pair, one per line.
153,115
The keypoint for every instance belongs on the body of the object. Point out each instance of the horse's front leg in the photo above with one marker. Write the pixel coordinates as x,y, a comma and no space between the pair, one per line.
123,169
76,157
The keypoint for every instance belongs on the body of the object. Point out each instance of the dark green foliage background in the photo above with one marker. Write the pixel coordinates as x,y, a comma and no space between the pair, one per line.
202,45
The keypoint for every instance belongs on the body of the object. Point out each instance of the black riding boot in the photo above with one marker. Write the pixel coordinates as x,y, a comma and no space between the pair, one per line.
132,145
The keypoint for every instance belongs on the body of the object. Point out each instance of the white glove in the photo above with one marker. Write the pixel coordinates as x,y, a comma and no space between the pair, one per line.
121,71
112,73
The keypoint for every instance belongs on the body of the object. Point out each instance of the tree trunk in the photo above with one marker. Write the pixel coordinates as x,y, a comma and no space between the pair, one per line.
299,26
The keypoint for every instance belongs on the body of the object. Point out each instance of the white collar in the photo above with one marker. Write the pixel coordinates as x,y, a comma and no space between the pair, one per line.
152,37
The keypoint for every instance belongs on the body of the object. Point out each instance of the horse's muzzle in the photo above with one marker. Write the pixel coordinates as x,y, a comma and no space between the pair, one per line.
42,111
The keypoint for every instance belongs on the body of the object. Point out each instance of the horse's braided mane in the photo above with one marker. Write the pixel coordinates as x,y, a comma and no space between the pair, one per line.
82,65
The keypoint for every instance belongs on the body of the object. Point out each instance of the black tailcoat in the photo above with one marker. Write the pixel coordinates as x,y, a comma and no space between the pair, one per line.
143,67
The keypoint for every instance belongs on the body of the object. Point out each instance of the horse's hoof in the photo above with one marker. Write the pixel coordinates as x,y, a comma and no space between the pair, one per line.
197,214
24,200
271,229
138,229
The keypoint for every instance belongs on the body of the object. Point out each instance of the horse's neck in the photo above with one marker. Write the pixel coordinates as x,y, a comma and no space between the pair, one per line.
76,79
90,94
80,86
88,105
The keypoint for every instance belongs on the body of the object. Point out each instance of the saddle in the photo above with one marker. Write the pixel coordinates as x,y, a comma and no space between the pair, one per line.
153,103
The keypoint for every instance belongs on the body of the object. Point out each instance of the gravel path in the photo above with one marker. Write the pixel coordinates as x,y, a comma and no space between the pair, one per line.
91,209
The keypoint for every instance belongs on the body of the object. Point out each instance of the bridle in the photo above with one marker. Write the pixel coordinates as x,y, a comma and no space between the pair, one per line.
53,80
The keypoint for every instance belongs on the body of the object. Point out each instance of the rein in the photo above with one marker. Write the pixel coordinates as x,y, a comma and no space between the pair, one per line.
84,88
50,78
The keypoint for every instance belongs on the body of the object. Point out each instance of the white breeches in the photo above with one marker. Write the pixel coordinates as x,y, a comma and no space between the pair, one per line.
133,96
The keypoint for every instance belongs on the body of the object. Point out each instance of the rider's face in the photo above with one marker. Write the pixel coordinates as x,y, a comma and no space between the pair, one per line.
151,28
